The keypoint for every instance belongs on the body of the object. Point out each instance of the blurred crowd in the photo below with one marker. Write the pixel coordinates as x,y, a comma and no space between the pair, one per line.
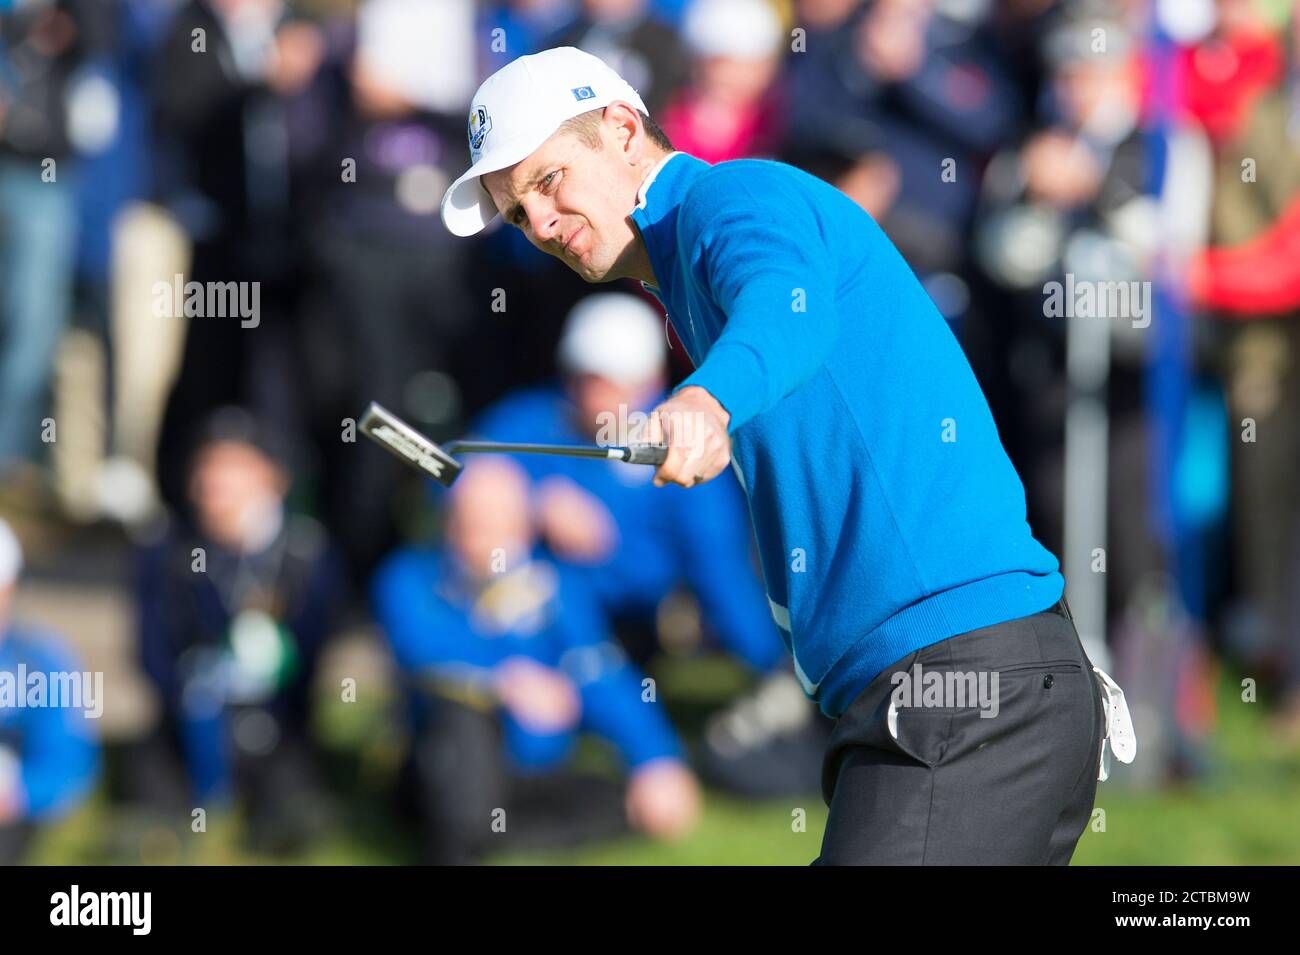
219,239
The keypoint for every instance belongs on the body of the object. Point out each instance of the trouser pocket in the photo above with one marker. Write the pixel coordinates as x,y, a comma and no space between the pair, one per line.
946,713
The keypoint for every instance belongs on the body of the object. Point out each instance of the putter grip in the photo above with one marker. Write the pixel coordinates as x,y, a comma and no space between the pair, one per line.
646,454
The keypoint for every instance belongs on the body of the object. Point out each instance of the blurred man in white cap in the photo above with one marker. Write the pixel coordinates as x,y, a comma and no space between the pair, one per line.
886,543
48,752
612,360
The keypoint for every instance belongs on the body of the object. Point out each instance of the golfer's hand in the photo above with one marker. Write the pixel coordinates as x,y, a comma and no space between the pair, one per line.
542,699
663,799
694,426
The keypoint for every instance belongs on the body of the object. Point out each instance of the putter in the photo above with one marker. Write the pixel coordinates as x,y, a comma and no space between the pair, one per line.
407,444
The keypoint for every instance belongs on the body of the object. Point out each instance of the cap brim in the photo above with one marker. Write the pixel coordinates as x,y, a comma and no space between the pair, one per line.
467,209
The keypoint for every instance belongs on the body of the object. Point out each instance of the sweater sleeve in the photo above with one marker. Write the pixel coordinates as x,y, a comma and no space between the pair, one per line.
614,700
616,707
765,261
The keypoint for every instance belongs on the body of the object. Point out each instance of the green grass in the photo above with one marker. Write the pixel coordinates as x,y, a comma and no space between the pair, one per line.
730,832
1245,813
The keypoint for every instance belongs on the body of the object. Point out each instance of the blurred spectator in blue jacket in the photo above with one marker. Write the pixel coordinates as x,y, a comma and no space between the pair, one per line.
507,29
232,616
49,755
636,545
900,106
508,659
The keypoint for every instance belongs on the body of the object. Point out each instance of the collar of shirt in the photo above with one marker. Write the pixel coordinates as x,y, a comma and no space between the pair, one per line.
656,213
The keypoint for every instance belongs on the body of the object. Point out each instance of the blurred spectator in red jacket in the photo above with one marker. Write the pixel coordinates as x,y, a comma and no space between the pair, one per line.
1251,276
731,109
1254,268
1229,58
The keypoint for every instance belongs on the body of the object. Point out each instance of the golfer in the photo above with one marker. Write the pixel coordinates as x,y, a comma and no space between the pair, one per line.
921,612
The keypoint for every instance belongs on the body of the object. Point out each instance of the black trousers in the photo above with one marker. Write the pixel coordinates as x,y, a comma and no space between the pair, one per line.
463,785
970,784
282,792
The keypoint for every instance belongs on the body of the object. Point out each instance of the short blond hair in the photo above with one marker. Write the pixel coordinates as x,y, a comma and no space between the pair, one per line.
586,126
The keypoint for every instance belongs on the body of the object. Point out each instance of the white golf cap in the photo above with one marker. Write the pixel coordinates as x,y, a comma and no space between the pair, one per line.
11,555
517,109
614,335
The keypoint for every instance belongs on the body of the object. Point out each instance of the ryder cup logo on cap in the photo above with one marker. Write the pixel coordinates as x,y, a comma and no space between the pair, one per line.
518,108
479,125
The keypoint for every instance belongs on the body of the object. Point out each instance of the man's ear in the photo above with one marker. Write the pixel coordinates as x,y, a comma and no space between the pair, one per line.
628,131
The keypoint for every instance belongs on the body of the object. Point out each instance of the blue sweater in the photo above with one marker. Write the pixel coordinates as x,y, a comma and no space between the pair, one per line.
699,536
437,620
887,513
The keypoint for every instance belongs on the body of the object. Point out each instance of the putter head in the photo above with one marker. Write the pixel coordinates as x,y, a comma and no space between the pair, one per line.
405,443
